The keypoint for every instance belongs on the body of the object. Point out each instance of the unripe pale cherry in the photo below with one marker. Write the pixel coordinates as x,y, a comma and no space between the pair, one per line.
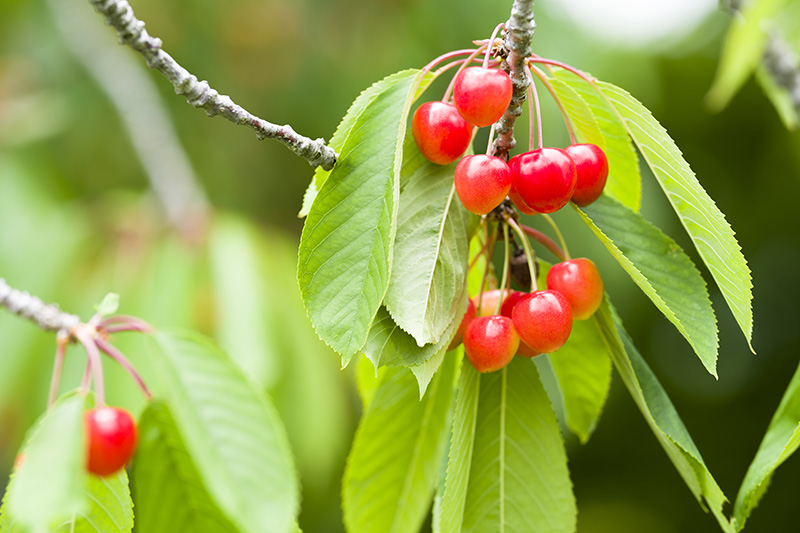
544,178
591,165
580,283
506,309
110,439
490,299
490,342
543,320
462,327
482,94
482,182
440,132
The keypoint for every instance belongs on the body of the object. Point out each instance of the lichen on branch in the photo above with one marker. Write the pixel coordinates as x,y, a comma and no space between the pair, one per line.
131,31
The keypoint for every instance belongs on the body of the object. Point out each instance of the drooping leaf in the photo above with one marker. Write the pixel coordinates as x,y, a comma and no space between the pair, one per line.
662,270
431,249
367,380
587,109
700,216
232,433
583,370
346,246
780,98
169,492
48,487
511,474
744,46
392,467
110,507
780,441
660,414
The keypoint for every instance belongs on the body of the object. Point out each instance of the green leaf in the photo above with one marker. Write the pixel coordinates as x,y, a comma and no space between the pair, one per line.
367,380
392,467
508,466
110,507
743,49
170,493
662,270
346,247
583,369
244,300
780,98
700,216
343,131
780,442
660,414
232,433
48,487
108,305
431,249
591,114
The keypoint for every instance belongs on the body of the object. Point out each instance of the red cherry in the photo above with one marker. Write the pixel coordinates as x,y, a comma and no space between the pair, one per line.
521,205
592,168
506,309
490,299
490,342
580,283
111,439
440,132
482,182
544,178
543,320
482,94
468,316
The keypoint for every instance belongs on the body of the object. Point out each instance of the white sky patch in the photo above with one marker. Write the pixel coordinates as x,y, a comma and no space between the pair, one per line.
636,22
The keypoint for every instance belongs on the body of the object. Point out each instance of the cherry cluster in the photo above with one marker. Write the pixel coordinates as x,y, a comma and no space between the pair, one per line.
529,324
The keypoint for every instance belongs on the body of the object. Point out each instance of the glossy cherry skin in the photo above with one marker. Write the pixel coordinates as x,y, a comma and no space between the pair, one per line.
490,342
580,283
111,439
591,165
506,309
518,201
468,316
544,178
489,301
440,132
482,182
482,94
543,320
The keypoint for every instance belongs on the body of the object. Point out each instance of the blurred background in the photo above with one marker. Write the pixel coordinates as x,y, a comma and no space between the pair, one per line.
78,218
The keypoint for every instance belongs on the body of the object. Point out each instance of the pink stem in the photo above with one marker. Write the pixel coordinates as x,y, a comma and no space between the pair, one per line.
137,324
445,57
466,62
94,362
535,97
575,71
543,239
491,42
543,78
123,361
128,327
58,366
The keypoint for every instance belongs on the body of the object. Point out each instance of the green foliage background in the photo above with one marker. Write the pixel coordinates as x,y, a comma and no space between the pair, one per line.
76,222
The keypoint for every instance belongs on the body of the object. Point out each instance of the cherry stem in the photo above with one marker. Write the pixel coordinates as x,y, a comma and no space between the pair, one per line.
544,240
86,381
446,57
526,245
491,44
489,142
506,261
124,323
123,361
534,97
58,365
464,64
94,361
553,225
491,241
549,86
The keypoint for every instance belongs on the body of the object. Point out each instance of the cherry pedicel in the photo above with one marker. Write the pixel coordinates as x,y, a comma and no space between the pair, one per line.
580,283
490,342
592,169
482,182
440,132
544,178
111,439
543,320
482,94
468,316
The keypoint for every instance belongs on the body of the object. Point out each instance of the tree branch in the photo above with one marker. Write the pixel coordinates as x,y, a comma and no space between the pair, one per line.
47,316
131,32
519,35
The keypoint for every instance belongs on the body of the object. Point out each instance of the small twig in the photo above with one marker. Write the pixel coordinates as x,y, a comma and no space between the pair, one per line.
123,361
131,32
47,316
545,241
61,351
